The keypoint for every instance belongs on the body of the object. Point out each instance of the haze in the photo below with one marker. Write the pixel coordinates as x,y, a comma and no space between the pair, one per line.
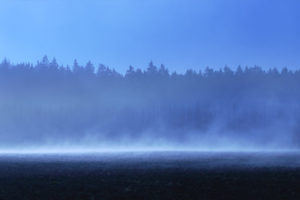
132,74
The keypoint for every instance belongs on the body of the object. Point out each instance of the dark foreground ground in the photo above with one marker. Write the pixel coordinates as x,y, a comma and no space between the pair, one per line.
185,176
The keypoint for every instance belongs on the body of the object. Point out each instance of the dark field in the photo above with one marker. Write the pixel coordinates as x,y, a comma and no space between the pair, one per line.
159,175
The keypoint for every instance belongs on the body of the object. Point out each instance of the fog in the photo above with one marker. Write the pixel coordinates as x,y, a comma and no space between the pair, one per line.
48,107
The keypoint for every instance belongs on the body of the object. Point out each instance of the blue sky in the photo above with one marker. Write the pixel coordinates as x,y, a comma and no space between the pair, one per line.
179,33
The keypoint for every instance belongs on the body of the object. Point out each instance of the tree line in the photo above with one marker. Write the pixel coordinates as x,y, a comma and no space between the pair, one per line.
46,101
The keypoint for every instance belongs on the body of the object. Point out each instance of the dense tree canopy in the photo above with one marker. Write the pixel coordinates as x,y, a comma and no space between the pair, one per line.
42,102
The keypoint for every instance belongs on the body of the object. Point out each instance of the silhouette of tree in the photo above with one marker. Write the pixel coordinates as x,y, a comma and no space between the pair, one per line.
76,67
89,68
47,99
152,69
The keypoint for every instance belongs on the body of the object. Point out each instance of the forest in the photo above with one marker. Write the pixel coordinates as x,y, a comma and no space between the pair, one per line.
42,102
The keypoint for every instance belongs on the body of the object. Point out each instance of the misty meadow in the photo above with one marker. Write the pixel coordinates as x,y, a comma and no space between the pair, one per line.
96,106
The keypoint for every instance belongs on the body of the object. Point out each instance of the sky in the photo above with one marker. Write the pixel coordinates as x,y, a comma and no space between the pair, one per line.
178,33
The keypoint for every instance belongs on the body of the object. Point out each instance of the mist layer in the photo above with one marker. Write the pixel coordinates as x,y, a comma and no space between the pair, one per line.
51,106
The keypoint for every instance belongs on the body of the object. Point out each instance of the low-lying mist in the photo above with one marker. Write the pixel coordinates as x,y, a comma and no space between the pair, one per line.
47,106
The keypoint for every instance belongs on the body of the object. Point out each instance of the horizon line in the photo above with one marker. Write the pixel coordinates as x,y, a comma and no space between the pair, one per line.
45,58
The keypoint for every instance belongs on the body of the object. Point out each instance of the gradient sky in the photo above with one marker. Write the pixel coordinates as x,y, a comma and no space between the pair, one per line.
179,33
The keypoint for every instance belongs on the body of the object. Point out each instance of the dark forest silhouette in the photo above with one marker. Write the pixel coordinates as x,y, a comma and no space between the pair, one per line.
47,100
